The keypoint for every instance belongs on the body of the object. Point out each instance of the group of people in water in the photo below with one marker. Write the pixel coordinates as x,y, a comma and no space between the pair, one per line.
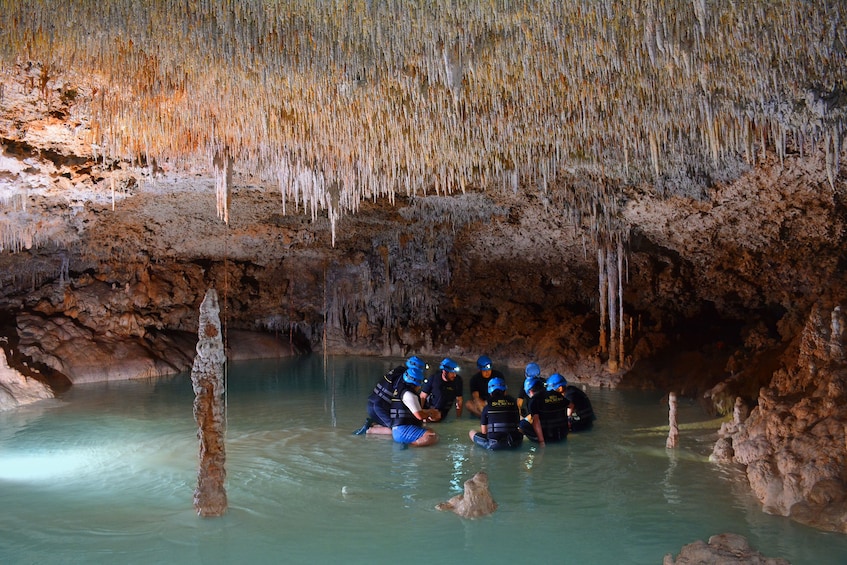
404,400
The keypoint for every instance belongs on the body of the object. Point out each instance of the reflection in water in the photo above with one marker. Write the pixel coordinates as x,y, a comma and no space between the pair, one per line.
105,474
670,489
456,460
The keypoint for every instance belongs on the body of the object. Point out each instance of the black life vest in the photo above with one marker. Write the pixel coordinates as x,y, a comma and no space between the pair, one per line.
385,386
399,413
503,415
553,409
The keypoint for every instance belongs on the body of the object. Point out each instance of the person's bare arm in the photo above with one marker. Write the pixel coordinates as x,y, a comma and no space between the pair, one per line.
536,425
413,403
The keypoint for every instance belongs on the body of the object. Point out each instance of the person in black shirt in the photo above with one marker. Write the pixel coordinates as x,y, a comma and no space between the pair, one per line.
443,389
548,415
580,412
479,385
532,371
498,424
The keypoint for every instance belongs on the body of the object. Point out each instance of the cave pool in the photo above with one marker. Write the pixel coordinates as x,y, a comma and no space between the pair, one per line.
105,473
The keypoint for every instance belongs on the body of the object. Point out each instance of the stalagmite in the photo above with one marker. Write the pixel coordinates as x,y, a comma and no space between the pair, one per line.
475,501
207,379
673,433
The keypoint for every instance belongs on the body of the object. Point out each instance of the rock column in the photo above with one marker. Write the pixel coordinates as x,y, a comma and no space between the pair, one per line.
673,433
208,383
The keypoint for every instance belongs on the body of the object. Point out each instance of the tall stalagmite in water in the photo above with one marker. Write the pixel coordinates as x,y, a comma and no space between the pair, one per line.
208,382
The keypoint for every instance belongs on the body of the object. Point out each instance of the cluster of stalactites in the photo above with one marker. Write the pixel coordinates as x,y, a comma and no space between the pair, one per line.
362,100
595,206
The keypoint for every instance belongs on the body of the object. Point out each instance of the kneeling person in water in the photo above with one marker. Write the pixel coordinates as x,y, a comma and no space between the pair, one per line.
444,389
407,416
580,412
379,401
498,423
547,421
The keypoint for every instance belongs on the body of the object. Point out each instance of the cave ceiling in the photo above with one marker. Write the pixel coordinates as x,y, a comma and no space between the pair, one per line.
695,144
339,102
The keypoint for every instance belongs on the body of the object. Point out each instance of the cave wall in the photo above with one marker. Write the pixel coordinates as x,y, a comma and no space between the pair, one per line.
508,274
103,268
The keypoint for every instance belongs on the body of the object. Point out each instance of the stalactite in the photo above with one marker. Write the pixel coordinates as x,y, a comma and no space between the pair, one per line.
222,165
612,296
410,98
602,265
622,326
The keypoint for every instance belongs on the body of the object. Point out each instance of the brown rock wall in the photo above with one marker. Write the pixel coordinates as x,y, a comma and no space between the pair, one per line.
730,291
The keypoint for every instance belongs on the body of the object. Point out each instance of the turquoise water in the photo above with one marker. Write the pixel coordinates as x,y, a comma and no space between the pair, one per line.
105,474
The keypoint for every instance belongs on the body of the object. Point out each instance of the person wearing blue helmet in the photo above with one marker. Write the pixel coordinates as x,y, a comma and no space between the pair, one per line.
498,424
532,371
479,385
378,420
547,421
580,412
407,415
443,389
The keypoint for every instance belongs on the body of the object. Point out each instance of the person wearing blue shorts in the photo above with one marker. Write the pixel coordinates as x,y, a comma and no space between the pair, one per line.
379,401
407,415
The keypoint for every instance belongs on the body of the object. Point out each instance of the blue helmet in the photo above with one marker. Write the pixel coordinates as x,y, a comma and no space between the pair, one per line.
483,363
555,381
496,383
532,370
530,383
413,376
415,362
449,365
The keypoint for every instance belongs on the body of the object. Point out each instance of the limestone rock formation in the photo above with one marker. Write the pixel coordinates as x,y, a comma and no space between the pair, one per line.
207,378
726,549
475,501
794,443
705,227
16,389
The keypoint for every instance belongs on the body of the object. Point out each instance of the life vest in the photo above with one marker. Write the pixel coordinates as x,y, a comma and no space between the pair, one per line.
503,415
399,412
385,386
553,409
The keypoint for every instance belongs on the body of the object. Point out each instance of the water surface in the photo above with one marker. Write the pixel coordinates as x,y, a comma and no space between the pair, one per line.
106,473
